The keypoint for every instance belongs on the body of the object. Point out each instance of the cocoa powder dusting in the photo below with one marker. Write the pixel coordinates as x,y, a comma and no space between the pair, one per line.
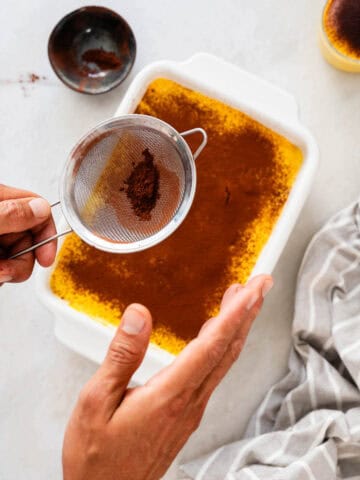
103,59
243,179
142,186
348,22
342,19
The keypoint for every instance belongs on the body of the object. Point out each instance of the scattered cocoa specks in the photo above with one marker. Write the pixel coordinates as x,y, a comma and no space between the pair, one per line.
25,81
31,78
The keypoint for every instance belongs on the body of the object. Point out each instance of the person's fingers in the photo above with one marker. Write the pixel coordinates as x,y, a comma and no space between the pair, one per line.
104,392
188,406
18,215
6,272
9,193
202,355
19,269
45,254
9,241
230,292
236,345
228,295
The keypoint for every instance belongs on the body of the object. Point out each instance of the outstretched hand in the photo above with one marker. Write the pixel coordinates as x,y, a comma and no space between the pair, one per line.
120,433
25,218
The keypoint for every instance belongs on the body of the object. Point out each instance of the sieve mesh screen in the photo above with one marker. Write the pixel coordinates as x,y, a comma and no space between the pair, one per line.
99,188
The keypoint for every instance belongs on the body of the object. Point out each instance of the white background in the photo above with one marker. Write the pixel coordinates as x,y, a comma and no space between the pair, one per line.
276,39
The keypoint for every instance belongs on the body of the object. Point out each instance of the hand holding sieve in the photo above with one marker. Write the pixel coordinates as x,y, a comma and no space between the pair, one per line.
92,196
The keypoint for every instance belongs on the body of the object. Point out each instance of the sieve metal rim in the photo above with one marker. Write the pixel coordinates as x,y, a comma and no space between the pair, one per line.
69,171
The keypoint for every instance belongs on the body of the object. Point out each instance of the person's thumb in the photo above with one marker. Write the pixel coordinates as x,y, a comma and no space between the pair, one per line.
18,215
124,356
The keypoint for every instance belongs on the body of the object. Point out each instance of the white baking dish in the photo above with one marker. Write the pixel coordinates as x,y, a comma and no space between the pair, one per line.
262,101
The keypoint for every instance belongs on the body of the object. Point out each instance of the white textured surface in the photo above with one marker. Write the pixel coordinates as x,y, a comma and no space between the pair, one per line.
39,378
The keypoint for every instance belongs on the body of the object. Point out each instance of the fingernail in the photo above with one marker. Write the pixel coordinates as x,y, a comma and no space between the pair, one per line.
132,321
39,207
254,297
5,278
268,284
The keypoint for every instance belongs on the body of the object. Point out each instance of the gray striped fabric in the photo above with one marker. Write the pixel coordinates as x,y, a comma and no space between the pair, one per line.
308,425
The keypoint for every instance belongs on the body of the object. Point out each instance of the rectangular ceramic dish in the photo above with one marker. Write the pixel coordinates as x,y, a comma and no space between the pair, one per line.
269,105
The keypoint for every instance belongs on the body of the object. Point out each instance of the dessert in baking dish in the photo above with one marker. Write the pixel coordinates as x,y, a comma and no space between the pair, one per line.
245,174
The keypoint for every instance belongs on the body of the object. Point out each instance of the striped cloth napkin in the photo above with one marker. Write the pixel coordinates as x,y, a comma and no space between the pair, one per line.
308,425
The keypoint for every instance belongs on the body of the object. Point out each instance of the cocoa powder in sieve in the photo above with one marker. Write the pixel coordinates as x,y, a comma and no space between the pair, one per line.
142,186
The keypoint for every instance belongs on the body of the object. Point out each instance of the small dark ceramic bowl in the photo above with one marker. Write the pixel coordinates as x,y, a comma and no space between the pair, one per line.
92,50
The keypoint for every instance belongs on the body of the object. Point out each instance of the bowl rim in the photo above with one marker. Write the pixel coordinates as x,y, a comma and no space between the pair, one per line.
63,20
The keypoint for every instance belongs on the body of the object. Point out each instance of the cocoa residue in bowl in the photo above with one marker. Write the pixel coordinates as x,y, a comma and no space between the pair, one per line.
103,59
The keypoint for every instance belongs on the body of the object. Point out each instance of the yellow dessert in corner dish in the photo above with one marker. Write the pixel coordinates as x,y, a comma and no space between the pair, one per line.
340,34
244,177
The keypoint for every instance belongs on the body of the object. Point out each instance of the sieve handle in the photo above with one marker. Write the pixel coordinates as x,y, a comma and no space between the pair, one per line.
202,144
43,242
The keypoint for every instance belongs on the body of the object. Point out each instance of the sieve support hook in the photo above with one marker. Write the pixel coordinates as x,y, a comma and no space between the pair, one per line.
43,242
202,144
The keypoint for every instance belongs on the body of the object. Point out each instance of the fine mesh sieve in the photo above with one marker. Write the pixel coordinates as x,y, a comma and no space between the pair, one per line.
93,189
